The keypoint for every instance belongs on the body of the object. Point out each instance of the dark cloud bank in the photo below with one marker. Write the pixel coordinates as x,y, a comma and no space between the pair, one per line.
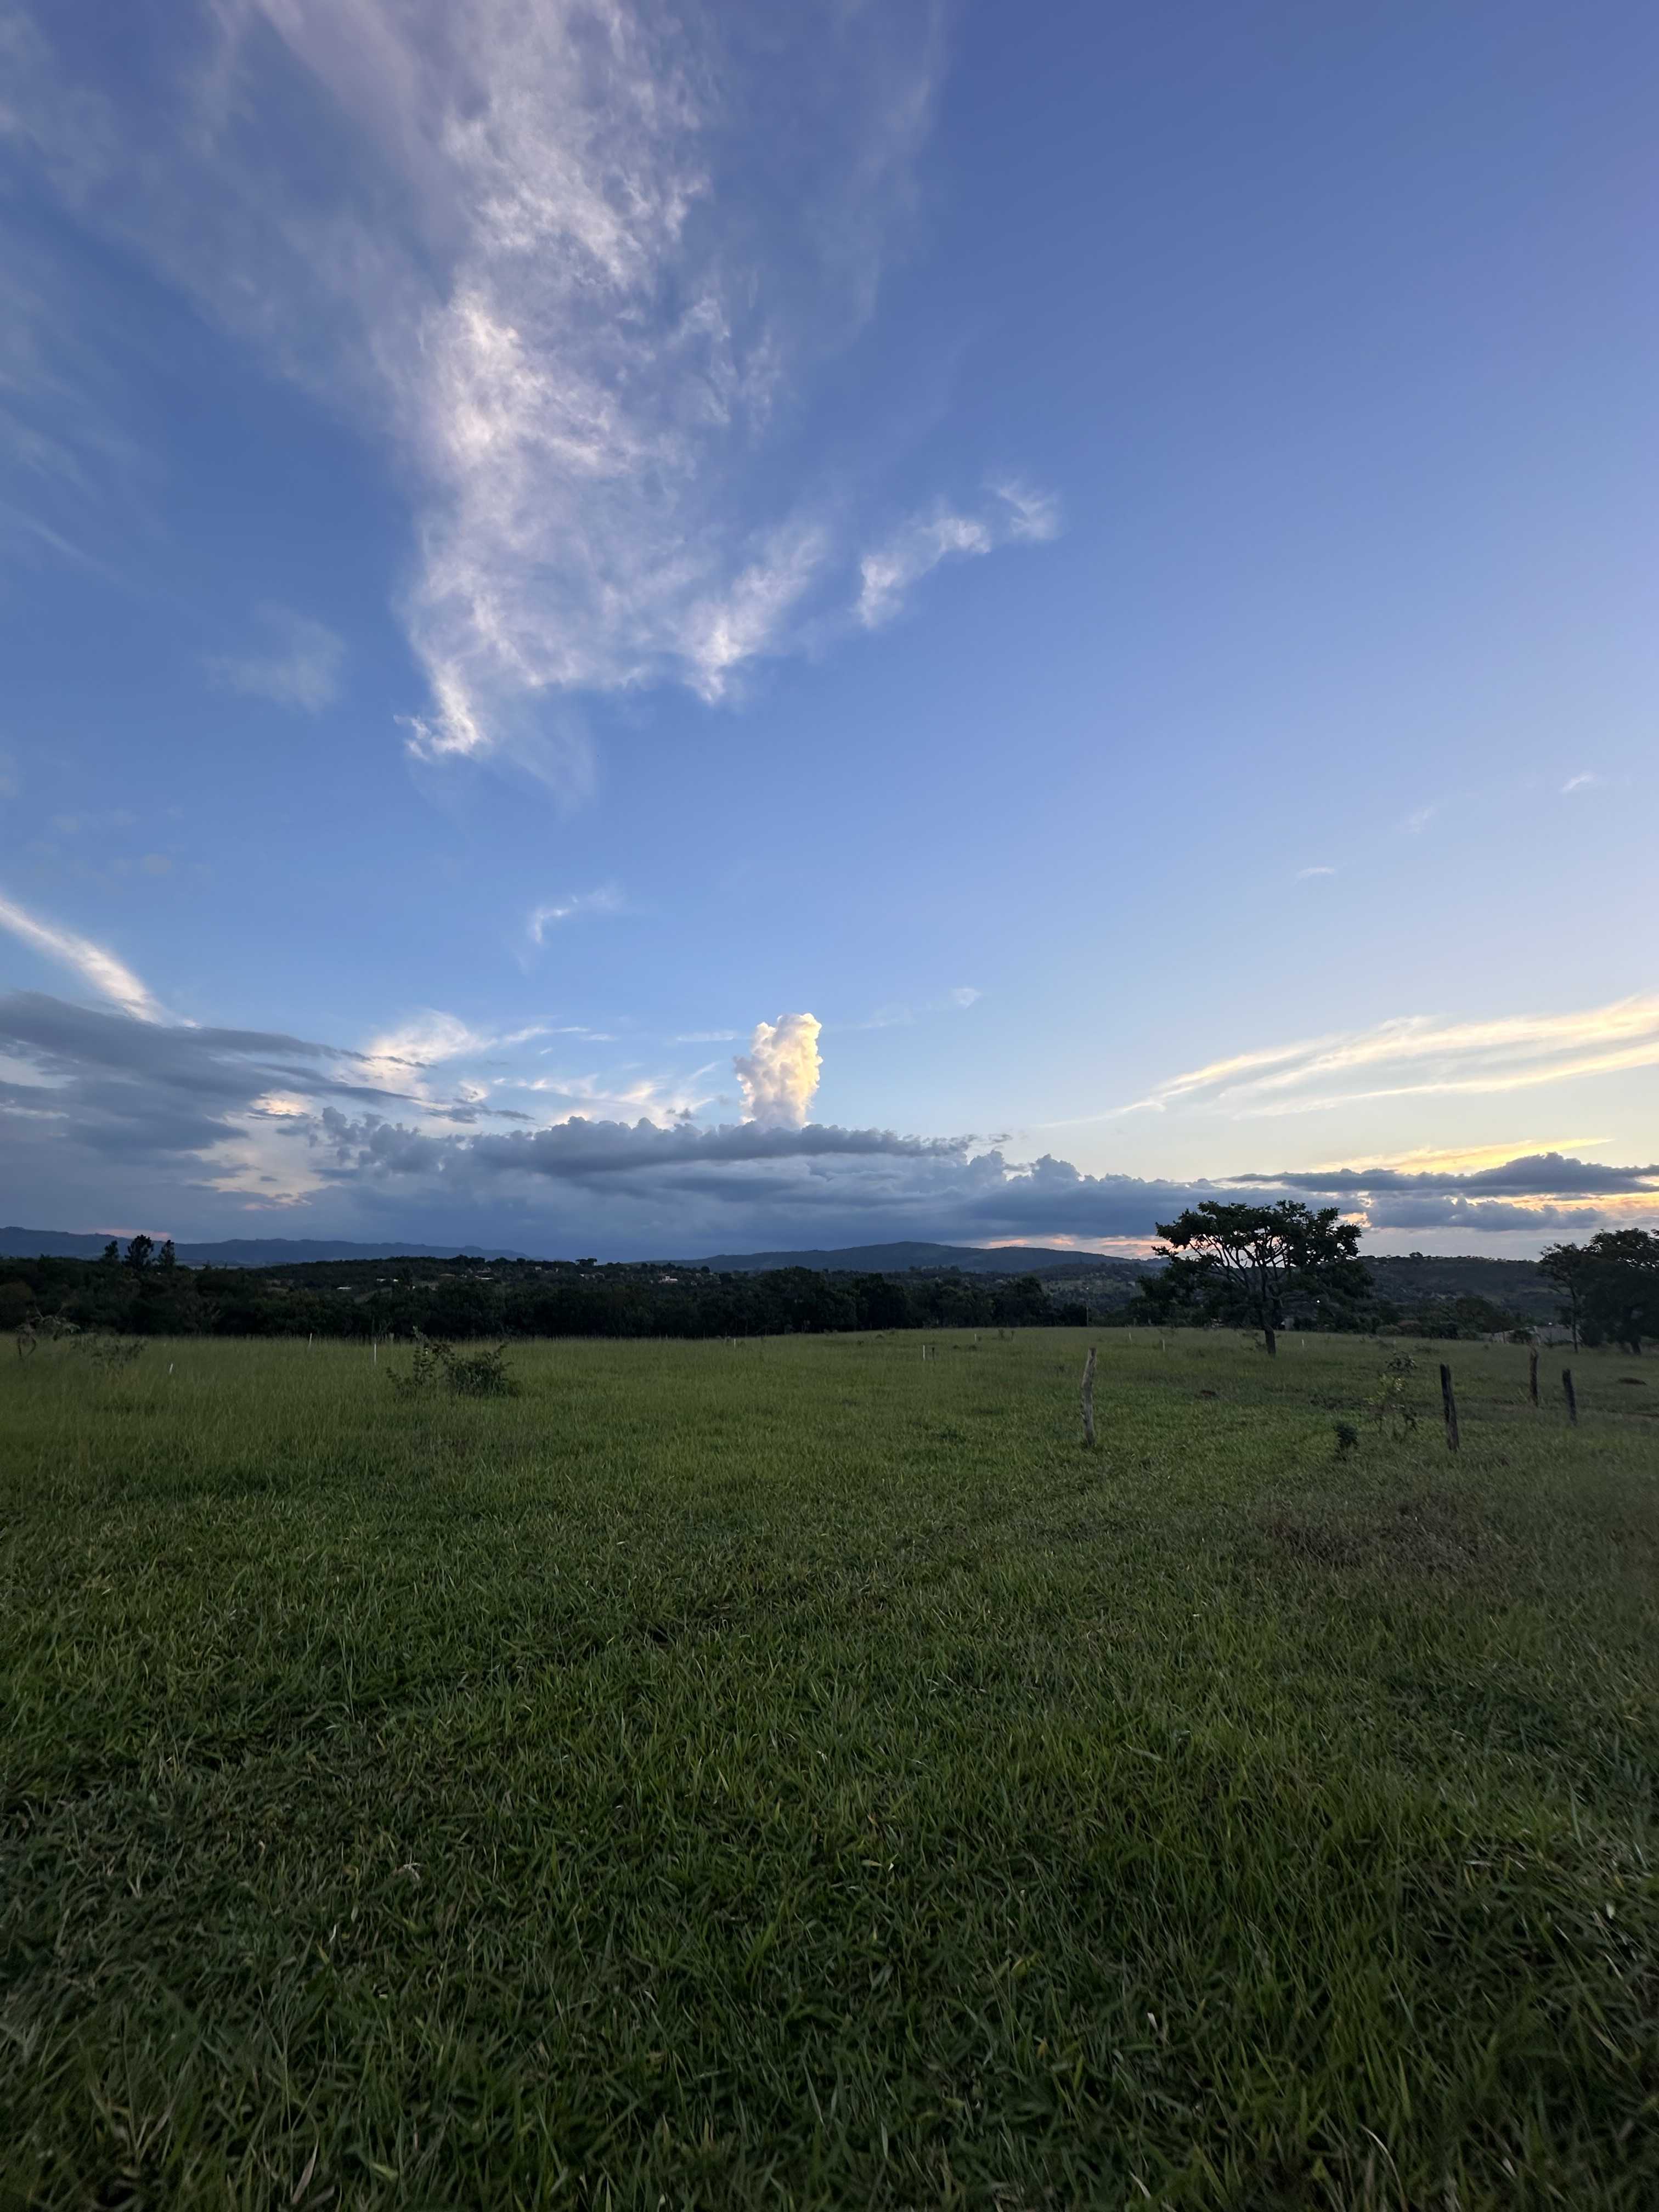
205,1131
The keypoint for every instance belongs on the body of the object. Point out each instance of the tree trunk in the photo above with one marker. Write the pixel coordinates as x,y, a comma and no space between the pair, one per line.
1270,1337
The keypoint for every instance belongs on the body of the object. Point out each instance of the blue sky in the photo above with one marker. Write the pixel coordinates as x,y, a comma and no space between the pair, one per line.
1093,572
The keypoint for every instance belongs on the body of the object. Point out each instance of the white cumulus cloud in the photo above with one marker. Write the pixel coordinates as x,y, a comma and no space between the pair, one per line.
780,1072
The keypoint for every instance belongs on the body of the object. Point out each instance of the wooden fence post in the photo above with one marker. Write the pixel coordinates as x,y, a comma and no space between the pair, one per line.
1448,1405
1089,1400
1572,1395
1532,1376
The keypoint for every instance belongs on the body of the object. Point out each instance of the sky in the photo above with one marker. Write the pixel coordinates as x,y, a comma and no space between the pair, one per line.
649,629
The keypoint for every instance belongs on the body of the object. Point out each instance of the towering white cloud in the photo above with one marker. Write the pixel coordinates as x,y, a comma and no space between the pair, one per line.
780,1072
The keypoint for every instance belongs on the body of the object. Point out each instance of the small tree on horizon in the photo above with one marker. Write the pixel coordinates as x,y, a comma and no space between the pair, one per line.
141,1252
1244,1262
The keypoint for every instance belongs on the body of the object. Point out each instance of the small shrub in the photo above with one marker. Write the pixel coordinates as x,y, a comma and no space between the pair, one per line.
1390,1402
1347,1438
482,1375
430,1363
438,1366
110,1352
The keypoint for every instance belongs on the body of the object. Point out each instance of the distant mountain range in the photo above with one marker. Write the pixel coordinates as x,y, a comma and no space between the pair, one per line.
239,1251
852,1259
896,1259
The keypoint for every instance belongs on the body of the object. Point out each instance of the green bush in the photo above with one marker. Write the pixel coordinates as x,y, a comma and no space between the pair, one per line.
438,1366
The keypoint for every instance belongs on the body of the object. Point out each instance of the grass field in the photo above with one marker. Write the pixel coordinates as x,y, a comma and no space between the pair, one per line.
800,1775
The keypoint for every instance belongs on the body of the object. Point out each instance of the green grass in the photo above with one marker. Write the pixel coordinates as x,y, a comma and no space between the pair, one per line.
800,1774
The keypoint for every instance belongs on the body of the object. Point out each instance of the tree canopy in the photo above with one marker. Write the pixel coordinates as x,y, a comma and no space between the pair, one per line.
1609,1286
1256,1266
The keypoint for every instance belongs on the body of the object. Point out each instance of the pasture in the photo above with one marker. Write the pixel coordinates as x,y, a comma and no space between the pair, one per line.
797,1774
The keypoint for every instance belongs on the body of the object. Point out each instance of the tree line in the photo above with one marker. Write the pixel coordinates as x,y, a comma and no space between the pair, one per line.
1269,1267
1609,1288
462,1298
1264,1268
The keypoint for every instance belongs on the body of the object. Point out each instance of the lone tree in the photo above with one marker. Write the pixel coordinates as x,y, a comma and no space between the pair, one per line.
1244,1263
141,1252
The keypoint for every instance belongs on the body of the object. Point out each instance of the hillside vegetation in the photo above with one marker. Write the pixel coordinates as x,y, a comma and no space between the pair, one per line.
462,1296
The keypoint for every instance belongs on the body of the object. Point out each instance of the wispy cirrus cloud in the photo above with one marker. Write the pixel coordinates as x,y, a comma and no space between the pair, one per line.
578,264
95,963
301,669
399,1056
899,1014
1418,1055
1015,514
606,899
75,480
